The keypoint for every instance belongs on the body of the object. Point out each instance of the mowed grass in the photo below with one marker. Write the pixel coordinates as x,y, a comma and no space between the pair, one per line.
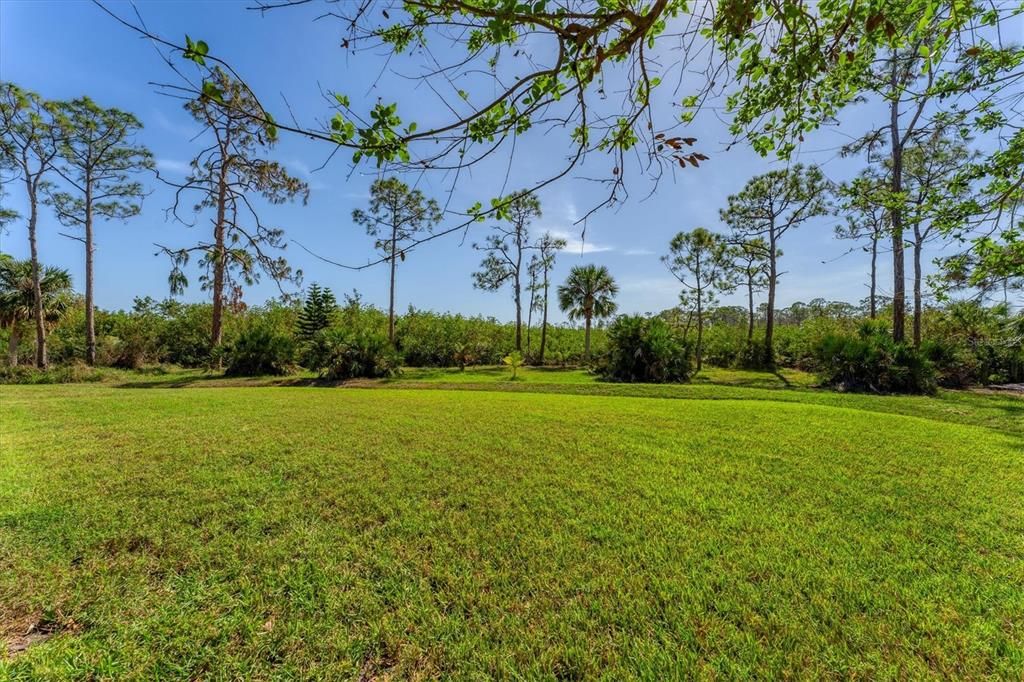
996,410
295,532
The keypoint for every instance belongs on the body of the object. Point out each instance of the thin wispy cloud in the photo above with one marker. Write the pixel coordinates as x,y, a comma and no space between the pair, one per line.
572,216
638,252
574,244
666,285
173,166
302,168
179,129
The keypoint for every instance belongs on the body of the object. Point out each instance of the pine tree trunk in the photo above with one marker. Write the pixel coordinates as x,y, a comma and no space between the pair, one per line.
700,331
518,290
750,310
42,361
769,325
898,265
917,288
544,323
219,264
529,312
90,310
899,291
391,294
874,276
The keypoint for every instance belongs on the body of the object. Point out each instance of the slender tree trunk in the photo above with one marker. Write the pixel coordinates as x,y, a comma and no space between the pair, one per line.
90,311
12,346
769,323
42,361
874,277
544,323
750,309
518,290
700,330
519,320
391,295
898,265
529,312
219,264
899,291
917,288
586,338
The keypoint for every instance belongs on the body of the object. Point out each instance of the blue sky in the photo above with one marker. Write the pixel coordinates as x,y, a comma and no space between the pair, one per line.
67,49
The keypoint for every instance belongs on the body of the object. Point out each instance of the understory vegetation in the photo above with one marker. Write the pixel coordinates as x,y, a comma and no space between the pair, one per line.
966,344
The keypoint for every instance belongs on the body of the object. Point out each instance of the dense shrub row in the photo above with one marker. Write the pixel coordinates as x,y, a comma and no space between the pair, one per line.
270,339
966,344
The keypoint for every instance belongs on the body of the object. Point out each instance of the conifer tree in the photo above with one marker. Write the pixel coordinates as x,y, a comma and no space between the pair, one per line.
317,311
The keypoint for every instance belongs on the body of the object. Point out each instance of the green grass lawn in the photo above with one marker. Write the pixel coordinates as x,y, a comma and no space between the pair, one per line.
558,528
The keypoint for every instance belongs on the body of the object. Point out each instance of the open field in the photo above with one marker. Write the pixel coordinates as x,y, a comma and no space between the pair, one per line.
456,525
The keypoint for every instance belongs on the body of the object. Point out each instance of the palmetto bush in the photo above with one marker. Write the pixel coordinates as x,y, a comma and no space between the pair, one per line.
871,361
341,352
646,349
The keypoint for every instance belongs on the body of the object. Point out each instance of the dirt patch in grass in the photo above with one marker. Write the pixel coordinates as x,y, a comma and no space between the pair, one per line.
19,633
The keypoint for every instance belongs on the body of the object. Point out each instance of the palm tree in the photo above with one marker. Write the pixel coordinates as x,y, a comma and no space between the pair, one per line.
588,293
16,297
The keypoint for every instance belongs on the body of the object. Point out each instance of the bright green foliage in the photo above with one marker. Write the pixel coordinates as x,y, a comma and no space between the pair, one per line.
131,340
816,66
994,263
930,62
185,333
446,340
513,361
647,350
254,533
7,215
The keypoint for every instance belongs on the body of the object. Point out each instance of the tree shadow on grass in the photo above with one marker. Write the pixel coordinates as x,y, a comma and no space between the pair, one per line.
782,378
221,381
